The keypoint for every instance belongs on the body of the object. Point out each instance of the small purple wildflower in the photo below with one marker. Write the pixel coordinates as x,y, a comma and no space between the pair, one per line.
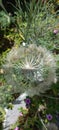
55,31
27,101
17,128
49,117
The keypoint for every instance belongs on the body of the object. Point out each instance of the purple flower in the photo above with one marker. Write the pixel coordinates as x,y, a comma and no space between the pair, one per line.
17,128
49,117
55,31
27,101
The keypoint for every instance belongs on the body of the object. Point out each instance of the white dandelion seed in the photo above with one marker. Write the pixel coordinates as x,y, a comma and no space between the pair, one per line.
35,64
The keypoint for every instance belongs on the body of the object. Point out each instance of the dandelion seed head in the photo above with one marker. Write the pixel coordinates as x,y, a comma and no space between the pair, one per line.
37,65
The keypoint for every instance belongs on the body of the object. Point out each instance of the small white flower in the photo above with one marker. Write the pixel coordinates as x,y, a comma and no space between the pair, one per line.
23,43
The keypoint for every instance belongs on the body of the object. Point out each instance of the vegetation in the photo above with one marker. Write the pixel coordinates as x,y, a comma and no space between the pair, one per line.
36,24
2,115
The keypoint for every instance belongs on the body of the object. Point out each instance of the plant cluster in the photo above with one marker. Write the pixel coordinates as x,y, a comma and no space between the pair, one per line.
38,115
2,115
39,24
31,67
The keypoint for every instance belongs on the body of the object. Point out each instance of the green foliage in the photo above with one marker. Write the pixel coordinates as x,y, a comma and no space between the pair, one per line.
2,115
3,56
4,20
37,112
15,36
6,98
24,111
37,24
